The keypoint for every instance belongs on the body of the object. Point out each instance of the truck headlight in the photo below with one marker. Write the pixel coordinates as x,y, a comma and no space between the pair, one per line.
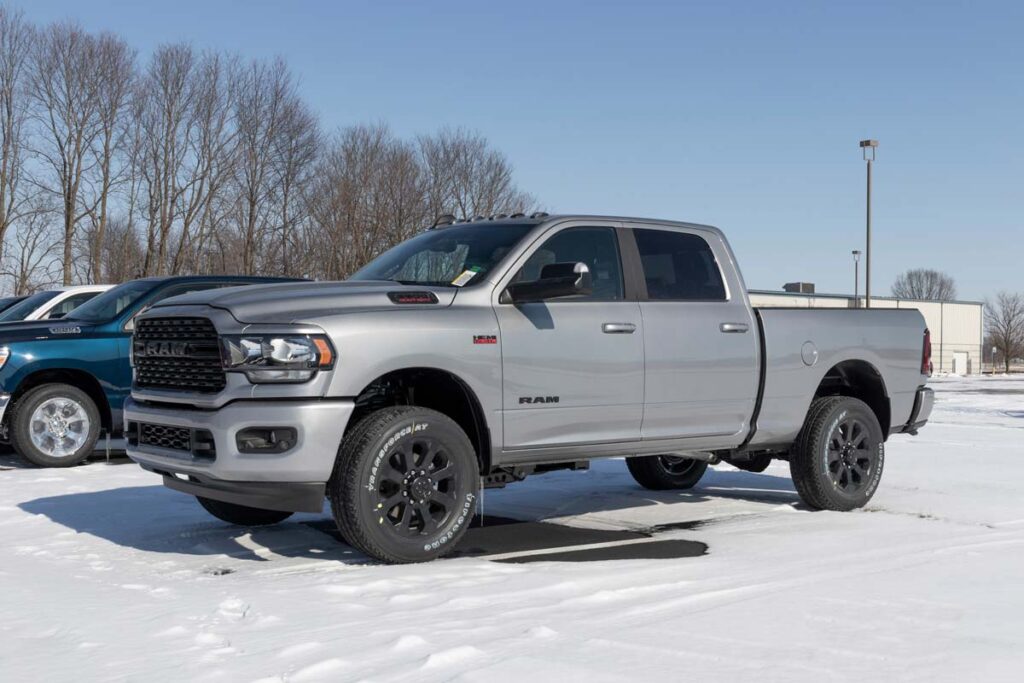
5,353
285,358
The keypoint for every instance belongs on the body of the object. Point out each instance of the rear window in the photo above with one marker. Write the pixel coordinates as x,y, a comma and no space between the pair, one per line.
679,266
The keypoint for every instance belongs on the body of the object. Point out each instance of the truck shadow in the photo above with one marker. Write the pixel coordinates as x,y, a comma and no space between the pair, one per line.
153,519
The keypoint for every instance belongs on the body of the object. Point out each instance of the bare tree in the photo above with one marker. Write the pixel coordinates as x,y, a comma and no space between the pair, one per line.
115,64
295,152
924,284
367,195
267,92
16,37
31,260
64,84
467,177
1005,323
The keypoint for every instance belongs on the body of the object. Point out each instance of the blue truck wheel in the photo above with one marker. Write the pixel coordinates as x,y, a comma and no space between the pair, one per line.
55,425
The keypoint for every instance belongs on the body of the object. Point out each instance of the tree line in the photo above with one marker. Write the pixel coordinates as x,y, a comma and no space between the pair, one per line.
204,162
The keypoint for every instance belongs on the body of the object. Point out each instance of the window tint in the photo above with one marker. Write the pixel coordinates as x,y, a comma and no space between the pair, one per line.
679,266
596,247
19,310
70,304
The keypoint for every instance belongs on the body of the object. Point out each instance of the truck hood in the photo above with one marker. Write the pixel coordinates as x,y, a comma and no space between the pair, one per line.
300,301
42,329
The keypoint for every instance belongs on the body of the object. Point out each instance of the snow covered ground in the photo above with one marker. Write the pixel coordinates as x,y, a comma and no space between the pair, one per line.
106,575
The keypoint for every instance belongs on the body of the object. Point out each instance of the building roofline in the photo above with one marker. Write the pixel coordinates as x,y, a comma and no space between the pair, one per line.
850,297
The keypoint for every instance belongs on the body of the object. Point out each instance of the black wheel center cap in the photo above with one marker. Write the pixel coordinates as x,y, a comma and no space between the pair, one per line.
421,488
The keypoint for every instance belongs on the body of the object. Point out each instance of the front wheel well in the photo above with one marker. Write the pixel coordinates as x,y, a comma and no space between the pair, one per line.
431,388
862,380
76,378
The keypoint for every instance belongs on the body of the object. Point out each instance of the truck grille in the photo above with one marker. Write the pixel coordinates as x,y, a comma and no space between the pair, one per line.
163,436
181,354
197,442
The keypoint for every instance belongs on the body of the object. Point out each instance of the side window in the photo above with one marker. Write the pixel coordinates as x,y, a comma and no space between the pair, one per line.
70,304
679,266
596,247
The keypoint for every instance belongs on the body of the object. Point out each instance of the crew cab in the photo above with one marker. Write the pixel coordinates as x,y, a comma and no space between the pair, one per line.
63,382
477,353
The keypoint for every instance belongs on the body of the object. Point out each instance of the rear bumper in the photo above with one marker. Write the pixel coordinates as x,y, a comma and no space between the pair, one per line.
207,461
924,401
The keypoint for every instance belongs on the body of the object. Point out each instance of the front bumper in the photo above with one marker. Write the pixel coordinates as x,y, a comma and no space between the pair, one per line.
290,480
924,401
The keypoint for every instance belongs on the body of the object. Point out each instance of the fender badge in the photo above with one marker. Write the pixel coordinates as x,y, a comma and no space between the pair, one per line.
485,339
66,330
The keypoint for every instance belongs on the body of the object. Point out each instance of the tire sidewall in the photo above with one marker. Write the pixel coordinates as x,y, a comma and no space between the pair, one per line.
366,482
21,424
835,416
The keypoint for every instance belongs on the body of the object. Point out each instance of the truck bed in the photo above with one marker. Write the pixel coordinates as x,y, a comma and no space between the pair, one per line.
801,345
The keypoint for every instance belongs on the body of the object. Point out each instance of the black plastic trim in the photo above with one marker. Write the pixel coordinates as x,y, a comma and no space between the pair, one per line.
286,496
762,375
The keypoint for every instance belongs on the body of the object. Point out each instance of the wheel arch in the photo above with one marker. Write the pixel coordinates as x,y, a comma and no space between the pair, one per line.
862,380
434,388
79,379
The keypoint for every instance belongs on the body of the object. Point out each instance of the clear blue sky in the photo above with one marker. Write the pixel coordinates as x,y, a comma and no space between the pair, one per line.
745,115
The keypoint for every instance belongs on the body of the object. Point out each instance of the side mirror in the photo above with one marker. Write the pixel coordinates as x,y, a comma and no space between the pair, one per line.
556,280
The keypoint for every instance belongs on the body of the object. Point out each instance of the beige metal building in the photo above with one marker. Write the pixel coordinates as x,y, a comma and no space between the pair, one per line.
957,327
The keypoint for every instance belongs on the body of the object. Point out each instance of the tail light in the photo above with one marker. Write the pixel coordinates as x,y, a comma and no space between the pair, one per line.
926,353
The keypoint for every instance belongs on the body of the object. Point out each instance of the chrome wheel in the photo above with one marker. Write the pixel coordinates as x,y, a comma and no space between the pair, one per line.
59,427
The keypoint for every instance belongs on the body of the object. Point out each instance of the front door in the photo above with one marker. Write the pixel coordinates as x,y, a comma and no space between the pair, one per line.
573,367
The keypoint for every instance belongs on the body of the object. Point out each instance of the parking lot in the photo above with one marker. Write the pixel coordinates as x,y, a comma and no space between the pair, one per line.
575,576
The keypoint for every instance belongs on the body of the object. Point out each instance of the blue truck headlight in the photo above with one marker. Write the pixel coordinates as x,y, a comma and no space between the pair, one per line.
280,359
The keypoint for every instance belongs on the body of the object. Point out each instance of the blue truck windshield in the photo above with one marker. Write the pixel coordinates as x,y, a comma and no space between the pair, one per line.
112,302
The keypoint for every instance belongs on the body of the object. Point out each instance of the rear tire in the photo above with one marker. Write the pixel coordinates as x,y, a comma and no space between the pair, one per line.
241,515
405,485
666,472
54,425
837,460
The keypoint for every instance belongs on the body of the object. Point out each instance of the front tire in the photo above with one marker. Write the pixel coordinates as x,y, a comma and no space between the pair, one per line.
405,485
666,472
242,515
837,460
55,425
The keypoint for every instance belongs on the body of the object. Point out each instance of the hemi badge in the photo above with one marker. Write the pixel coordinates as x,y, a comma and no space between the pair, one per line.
485,339
413,297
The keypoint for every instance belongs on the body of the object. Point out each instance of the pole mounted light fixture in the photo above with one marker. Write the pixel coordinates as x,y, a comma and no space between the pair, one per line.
868,151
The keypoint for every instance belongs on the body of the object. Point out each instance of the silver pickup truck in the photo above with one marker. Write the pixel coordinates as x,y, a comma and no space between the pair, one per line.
479,352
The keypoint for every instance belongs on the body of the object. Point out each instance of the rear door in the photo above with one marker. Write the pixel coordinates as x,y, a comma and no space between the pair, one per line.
700,339
572,367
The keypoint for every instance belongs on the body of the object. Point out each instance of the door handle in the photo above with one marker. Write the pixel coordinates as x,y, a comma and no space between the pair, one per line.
733,328
618,328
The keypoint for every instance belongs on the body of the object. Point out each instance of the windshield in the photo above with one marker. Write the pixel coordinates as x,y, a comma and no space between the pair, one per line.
447,257
112,302
19,310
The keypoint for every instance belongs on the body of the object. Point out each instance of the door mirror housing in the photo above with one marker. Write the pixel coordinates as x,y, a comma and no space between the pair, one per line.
557,280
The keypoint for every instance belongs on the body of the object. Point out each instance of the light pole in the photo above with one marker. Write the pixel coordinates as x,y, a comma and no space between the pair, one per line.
868,151
856,278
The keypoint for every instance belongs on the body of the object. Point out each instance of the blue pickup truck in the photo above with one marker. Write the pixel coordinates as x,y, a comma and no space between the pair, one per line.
63,382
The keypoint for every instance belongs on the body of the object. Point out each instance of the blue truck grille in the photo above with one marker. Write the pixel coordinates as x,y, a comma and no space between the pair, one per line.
180,354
